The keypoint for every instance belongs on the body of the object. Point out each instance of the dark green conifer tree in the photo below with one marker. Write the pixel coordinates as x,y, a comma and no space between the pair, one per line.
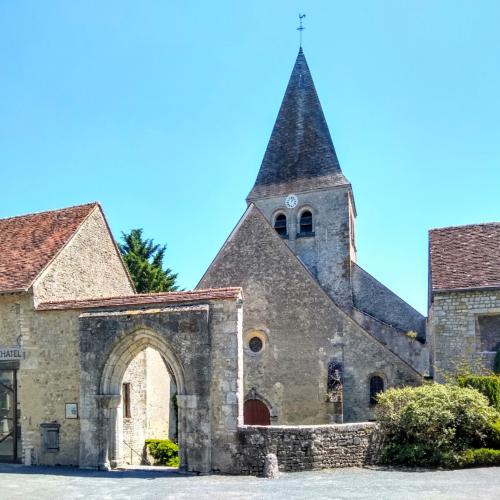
144,260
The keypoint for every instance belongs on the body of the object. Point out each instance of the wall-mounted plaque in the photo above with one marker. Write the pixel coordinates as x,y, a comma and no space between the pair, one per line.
71,410
11,354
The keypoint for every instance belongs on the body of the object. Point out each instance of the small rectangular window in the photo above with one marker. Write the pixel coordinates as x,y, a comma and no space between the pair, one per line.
126,400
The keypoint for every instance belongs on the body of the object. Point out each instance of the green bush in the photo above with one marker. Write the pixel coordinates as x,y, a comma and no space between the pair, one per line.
487,385
479,457
432,424
494,435
164,452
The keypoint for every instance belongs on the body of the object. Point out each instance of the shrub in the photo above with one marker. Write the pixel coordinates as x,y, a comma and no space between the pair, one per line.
431,424
164,452
487,385
479,457
494,435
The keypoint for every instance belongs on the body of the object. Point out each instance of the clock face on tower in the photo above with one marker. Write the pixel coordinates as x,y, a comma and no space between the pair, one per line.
291,201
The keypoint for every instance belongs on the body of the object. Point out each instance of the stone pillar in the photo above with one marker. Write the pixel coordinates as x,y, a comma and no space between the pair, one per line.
107,405
181,418
226,395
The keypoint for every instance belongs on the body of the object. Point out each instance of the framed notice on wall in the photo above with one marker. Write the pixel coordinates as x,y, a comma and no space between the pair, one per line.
71,410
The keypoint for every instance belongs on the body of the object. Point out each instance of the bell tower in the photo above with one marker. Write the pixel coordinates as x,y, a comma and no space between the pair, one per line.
301,190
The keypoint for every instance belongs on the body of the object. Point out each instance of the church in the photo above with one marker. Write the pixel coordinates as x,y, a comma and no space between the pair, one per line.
310,310
285,327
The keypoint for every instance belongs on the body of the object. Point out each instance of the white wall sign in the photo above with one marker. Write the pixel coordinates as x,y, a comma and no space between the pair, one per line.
12,353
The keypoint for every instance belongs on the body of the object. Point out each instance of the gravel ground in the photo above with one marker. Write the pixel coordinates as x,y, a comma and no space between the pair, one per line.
42,483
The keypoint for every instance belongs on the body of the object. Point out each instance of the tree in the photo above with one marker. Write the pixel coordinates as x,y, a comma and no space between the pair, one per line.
144,260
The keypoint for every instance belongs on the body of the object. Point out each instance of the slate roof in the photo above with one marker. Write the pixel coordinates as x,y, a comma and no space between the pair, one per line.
28,243
145,299
465,257
300,154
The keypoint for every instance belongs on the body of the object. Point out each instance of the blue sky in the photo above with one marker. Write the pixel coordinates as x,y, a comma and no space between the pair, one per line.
162,111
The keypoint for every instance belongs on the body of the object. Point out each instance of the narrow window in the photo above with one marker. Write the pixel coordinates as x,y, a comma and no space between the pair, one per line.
126,400
280,224
306,222
376,386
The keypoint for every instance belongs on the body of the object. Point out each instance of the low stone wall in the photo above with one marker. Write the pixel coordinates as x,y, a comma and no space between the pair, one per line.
308,447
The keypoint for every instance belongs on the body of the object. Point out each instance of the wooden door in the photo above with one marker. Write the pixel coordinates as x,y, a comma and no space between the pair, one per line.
255,412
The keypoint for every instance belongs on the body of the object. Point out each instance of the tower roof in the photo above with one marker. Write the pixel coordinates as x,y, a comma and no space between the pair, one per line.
300,155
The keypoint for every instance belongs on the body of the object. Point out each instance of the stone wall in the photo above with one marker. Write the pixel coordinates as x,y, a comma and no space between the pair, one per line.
158,396
454,332
135,426
88,266
300,448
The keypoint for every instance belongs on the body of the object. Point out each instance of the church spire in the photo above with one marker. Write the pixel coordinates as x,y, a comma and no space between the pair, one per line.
300,155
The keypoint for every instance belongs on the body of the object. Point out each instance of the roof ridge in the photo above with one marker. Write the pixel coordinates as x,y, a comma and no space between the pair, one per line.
91,204
478,224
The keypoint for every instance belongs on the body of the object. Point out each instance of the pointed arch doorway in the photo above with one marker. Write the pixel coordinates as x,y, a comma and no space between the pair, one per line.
111,397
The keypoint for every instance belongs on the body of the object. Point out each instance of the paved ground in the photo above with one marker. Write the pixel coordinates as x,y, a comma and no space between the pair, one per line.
42,483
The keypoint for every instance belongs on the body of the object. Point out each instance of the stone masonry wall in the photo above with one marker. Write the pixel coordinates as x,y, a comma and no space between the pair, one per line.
135,426
88,267
453,329
158,395
308,447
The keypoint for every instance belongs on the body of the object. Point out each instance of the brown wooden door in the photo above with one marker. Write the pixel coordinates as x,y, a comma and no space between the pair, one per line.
255,412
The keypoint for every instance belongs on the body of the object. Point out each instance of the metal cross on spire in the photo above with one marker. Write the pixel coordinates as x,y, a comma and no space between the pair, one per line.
301,28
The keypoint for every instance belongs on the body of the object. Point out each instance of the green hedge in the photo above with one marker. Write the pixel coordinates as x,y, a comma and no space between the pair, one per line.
432,424
164,452
487,385
479,458
494,435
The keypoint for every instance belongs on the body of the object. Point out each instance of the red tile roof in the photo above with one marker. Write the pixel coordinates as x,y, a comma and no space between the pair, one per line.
145,299
28,243
465,257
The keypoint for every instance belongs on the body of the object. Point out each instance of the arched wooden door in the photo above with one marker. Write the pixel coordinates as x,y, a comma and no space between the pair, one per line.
255,412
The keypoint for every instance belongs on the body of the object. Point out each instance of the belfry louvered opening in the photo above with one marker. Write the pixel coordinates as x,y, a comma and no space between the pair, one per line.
280,224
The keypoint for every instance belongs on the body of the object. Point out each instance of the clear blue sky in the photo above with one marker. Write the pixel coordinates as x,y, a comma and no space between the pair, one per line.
162,111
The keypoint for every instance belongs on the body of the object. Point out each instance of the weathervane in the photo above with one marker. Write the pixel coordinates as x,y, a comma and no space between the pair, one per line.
301,28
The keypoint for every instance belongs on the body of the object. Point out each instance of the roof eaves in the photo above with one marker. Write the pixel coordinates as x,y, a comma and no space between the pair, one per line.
466,289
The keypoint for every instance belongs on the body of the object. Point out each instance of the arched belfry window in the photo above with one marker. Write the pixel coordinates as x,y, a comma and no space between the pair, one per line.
306,222
280,224
376,386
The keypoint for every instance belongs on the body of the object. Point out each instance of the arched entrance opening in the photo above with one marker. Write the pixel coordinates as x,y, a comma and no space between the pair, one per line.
140,384
255,412
148,409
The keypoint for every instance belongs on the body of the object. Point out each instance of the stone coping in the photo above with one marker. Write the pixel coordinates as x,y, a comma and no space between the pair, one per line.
347,427
145,299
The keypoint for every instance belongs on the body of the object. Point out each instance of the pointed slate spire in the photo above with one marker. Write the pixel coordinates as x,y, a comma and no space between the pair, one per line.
300,155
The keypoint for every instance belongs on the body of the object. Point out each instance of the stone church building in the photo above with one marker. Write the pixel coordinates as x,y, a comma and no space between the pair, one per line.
284,328
313,309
